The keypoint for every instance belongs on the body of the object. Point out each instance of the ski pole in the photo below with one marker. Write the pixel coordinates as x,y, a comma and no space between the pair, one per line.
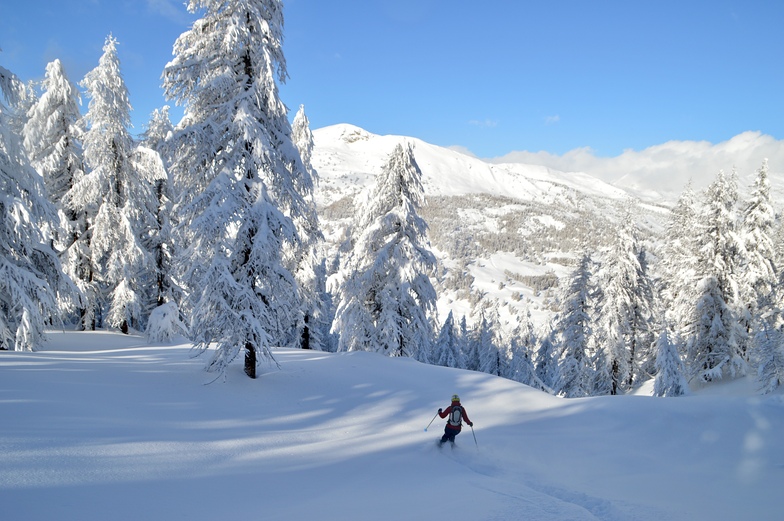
472,432
431,421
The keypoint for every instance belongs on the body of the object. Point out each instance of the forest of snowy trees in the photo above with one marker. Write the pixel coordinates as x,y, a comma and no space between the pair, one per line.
208,228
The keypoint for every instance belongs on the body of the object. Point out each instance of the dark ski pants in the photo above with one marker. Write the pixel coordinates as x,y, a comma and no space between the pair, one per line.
449,434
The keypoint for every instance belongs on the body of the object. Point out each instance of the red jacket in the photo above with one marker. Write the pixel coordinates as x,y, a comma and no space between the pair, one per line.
464,416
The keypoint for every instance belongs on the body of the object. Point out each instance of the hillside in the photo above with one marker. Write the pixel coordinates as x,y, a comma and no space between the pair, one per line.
103,426
501,232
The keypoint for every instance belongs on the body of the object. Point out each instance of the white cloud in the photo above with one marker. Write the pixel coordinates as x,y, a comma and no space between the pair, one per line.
552,120
665,169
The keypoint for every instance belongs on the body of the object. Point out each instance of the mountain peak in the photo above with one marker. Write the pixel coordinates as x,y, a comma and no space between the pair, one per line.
344,132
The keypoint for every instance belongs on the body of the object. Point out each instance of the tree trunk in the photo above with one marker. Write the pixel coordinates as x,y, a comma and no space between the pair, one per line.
250,360
615,370
306,334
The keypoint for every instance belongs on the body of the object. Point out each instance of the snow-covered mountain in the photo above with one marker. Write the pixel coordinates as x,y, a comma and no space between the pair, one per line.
348,157
514,229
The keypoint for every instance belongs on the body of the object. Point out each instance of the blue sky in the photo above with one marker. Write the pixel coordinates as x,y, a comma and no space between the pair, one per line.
492,77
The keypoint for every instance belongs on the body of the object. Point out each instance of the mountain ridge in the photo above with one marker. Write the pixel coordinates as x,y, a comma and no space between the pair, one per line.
360,151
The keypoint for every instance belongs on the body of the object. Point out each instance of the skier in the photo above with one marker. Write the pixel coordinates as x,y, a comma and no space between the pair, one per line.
456,414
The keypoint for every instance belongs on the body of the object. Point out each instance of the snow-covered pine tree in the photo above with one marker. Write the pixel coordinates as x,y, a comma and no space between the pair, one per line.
626,315
522,342
157,239
602,367
574,331
386,300
163,293
53,138
303,140
757,221
678,261
769,356
714,336
119,200
238,175
158,132
546,361
670,379
52,135
308,264
521,365
489,354
26,99
759,276
617,274
33,287
468,355
446,351
471,352
644,316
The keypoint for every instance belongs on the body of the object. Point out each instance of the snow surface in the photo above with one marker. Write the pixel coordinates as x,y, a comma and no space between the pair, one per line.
102,426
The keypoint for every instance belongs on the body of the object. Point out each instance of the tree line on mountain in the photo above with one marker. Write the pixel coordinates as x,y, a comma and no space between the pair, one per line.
209,229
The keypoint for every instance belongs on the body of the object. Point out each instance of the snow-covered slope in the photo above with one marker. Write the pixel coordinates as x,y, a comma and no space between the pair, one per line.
102,426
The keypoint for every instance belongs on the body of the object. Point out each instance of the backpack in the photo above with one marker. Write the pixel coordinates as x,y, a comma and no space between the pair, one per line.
455,416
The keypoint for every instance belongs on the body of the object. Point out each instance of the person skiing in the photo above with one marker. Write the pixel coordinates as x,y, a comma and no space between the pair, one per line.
456,414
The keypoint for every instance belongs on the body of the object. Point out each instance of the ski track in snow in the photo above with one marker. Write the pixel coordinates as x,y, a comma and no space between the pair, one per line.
102,426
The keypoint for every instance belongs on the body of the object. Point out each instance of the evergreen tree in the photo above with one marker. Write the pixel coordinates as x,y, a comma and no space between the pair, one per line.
769,342
52,135
670,379
759,277
626,311
53,138
522,345
603,371
163,293
574,332
644,316
237,173
152,156
468,357
157,239
447,347
678,262
471,349
521,367
757,220
546,362
33,287
715,339
26,99
489,353
386,300
118,200
303,140
158,133
308,264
